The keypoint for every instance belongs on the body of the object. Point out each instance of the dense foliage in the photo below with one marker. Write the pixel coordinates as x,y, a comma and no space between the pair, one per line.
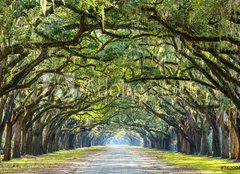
75,73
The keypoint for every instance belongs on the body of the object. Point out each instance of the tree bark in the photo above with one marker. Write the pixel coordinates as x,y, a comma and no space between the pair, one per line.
17,138
7,146
235,136
205,149
234,143
153,143
71,141
7,118
216,150
37,144
2,124
225,134
29,142
24,139
145,142
179,146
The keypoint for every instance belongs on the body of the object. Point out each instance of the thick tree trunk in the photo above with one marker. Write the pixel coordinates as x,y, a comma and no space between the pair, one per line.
145,142
234,143
205,149
80,140
7,146
37,144
197,140
45,144
235,136
24,139
8,118
29,142
179,143
56,141
191,149
152,143
167,141
50,144
216,150
65,140
158,143
84,141
88,141
17,138
71,141
185,145
93,142
2,124
225,134
216,142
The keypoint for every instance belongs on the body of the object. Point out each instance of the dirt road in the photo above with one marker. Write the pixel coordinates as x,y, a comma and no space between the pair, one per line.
124,160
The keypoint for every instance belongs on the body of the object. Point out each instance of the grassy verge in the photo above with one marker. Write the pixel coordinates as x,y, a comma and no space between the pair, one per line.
47,161
208,164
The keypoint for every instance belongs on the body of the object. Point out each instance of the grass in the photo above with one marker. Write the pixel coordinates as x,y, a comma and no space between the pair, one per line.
46,161
208,164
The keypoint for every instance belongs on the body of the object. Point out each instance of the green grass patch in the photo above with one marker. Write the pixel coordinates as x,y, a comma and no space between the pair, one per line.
208,164
46,161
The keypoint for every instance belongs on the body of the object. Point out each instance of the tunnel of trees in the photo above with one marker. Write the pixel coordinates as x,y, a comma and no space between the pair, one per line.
73,73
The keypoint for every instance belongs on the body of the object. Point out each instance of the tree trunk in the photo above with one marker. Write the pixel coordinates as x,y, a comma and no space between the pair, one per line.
205,149
216,150
65,140
159,143
225,134
17,139
56,141
29,142
50,143
7,147
80,140
8,117
2,124
46,142
179,146
167,142
145,142
24,139
153,144
71,141
234,142
197,140
235,136
225,148
45,145
84,141
37,144
216,142
185,146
